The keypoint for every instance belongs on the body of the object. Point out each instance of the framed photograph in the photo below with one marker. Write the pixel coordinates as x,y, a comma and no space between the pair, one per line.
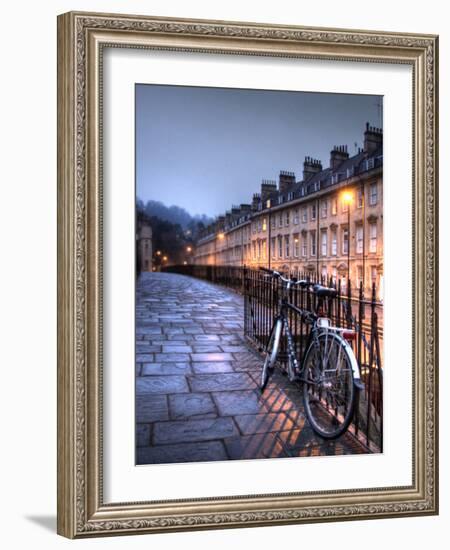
247,288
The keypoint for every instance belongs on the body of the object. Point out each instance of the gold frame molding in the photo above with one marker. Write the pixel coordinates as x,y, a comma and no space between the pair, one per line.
81,38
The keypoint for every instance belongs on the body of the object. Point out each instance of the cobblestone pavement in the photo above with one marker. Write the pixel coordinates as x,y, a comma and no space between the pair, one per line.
197,396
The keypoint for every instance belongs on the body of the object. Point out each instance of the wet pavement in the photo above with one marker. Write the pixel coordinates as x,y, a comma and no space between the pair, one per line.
197,394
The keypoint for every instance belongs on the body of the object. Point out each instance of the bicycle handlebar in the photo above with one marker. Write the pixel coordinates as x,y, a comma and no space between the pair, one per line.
317,288
278,275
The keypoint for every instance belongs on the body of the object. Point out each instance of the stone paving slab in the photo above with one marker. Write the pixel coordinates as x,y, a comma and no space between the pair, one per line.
232,403
161,384
197,382
221,382
151,408
206,451
187,405
185,431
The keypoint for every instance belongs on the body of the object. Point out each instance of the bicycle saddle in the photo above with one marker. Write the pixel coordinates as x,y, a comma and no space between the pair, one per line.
324,291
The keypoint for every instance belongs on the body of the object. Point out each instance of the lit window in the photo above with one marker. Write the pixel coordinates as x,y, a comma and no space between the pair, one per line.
373,194
360,199
304,246
313,243
359,239
333,243
264,224
345,241
324,243
334,204
373,237
296,245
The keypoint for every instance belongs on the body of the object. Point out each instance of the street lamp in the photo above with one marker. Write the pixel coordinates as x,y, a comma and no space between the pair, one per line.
347,198
189,249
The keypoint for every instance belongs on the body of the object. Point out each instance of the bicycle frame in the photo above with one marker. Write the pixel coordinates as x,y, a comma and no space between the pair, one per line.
296,370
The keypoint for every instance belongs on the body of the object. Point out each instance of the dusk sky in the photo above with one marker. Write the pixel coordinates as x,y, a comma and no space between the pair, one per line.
205,149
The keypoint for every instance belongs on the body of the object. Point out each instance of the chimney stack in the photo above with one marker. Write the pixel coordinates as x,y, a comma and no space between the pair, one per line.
373,138
310,167
286,179
338,155
255,201
267,188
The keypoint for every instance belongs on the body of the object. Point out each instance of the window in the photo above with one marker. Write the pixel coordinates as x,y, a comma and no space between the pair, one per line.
264,249
287,217
313,243
259,249
324,208
286,246
324,243
254,227
334,275
345,206
296,245
359,239
360,198
296,219
333,242
345,241
360,276
273,222
290,196
313,212
324,274
304,215
334,204
254,250
264,224
373,237
280,220
280,246
373,275
373,194
273,247
259,226
304,246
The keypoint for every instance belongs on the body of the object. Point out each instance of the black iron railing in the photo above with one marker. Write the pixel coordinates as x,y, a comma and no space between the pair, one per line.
350,309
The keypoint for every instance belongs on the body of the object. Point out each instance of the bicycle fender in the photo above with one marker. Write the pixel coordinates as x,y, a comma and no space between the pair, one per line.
354,363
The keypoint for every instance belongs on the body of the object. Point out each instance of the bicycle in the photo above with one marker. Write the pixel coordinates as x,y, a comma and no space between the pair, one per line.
328,368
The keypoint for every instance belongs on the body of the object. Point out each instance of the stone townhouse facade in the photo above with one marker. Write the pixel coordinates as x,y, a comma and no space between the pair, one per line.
329,223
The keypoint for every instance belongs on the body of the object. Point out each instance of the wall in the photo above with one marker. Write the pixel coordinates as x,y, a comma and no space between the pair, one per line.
28,275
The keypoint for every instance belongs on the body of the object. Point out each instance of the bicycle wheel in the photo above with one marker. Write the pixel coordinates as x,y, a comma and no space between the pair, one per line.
271,353
328,389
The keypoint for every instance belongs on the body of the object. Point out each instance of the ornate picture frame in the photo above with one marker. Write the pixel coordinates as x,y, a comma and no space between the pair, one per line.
82,38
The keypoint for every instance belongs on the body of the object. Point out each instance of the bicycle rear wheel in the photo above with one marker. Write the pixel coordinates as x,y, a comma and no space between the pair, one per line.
328,389
271,353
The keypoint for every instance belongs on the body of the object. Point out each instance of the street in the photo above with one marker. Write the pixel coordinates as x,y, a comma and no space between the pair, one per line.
197,395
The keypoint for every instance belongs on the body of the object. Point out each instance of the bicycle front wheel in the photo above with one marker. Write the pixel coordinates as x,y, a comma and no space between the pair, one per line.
271,353
328,389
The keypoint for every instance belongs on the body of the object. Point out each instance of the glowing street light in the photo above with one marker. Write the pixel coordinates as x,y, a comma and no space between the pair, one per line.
221,236
165,258
158,252
189,249
185,263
